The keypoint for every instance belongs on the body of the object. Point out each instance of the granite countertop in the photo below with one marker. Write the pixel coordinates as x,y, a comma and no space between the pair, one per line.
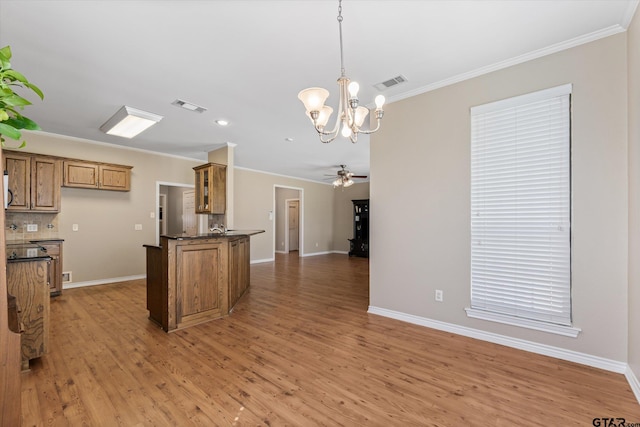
27,241
215,235
26,252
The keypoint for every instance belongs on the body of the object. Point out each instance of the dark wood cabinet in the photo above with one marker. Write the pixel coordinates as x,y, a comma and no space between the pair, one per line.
359,245
191,280
238,269
211,189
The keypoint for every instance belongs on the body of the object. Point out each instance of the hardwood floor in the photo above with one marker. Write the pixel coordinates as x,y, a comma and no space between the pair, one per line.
299,349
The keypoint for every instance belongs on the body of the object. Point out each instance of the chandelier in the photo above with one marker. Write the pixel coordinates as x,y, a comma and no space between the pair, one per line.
350,116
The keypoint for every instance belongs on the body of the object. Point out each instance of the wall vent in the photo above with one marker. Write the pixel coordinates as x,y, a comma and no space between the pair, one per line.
391,82
188,106
66,277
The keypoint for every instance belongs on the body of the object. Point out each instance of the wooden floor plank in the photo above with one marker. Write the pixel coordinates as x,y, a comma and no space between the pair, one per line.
298,349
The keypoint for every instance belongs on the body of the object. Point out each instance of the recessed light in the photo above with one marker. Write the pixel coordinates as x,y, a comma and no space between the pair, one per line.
289,139
222,122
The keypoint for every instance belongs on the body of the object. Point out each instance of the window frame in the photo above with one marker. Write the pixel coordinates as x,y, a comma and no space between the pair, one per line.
564,326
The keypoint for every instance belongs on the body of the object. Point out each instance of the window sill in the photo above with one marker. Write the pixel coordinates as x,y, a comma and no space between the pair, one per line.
568,331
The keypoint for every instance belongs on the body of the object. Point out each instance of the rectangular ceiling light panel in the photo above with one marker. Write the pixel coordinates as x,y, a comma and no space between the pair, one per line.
128,122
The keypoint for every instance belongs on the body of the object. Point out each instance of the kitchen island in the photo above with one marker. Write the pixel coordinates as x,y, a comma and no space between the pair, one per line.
196,278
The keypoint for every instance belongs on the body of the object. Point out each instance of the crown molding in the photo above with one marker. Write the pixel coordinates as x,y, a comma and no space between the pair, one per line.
568,44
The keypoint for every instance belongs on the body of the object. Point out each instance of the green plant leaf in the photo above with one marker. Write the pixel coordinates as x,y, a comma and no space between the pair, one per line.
34,88
9,131
5,57
22,122
15,75
15,101
3,115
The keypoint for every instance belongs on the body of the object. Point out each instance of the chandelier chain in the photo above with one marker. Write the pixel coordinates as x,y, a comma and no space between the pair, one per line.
342,72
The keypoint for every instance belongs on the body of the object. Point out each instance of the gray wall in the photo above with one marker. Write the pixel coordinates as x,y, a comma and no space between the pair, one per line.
106,246
343,213
633,50
427,137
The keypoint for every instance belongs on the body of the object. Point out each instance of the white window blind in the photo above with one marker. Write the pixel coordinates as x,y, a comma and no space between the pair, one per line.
521,207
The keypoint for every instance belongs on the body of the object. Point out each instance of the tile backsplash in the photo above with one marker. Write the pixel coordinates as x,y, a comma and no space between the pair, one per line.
17,226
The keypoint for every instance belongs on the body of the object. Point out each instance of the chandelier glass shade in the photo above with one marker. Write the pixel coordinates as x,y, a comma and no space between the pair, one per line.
350,116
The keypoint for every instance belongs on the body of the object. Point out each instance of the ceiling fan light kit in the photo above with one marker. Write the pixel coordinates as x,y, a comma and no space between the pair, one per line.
350,116
344,178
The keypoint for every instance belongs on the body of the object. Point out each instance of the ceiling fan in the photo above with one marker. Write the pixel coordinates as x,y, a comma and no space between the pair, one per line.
343,178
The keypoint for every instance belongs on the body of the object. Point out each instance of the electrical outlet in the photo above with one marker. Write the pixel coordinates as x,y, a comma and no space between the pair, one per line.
138,227
74,227
32,227
439,296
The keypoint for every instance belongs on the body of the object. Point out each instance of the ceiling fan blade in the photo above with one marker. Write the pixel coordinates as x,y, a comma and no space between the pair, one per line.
358,176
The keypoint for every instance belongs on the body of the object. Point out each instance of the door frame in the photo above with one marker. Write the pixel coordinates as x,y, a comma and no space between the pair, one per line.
202,222
300,223
286,224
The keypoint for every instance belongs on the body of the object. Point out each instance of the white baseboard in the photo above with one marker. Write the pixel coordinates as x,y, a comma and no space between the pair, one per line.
340,252
316,253
632,379
281,252
533,347
102,281
258,261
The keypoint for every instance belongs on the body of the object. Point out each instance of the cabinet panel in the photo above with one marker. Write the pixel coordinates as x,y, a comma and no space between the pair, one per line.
114,178
34,182
54,250
45,184
201,282
211,188
238,269
19,169
97,176
80,174
27,281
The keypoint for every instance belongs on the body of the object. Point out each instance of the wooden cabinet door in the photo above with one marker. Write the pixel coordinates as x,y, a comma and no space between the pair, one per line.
234,272
201,282
45,184
19,169
54,250
112,177
218,189
211,189
80,174
202,190
238,269
27,281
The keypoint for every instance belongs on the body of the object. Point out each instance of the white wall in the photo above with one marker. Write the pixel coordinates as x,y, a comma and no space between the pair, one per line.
427,137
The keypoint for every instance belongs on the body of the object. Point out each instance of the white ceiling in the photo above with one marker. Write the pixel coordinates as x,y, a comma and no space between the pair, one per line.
246,61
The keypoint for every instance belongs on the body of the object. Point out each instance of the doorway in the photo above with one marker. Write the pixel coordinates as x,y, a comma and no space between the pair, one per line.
288,219
189,220
293,224
170,209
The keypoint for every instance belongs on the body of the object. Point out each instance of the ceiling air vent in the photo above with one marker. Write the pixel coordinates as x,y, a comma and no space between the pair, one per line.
391,82
188,106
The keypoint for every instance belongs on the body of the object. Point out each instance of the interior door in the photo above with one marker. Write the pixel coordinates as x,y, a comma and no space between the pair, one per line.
189,219
294,224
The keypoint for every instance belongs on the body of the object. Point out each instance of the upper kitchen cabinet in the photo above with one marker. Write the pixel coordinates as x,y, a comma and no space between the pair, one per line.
101,176
211,189
34,182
